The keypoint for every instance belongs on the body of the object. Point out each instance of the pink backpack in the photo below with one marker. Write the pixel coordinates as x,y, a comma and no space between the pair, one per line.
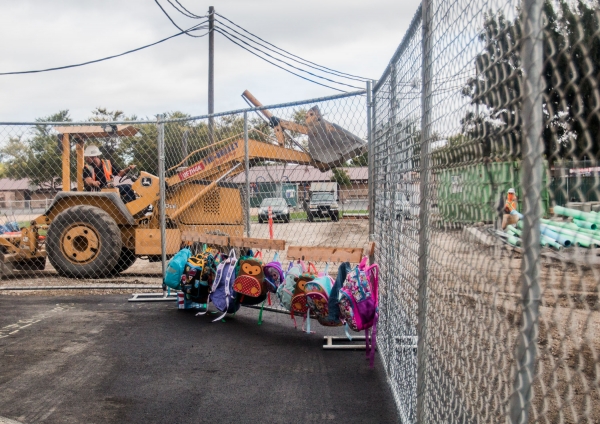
359,302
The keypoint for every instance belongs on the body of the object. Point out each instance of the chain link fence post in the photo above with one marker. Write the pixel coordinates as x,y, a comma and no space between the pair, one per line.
247,174
162,192
531,182
426,115
370,170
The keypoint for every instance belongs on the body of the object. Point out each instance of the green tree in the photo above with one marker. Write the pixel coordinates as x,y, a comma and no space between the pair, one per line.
571,66
37,158
341,177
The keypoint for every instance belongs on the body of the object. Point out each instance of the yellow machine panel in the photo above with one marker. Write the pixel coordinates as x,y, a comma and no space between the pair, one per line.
221,205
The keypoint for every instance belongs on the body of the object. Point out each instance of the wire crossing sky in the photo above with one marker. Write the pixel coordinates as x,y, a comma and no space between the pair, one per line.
299,57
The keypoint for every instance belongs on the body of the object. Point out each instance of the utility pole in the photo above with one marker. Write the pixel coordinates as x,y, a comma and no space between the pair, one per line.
211,73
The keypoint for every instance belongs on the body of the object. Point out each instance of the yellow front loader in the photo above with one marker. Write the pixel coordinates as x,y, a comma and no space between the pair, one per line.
96,234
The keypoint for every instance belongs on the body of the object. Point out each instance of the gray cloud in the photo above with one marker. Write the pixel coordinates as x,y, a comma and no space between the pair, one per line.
353,36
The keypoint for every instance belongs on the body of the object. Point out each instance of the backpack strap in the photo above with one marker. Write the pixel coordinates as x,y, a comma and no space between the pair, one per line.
232,263
310,264
216,282
363,264
373,276
258,254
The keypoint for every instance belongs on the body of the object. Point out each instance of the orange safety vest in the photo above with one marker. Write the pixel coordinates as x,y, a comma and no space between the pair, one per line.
511,205
106,165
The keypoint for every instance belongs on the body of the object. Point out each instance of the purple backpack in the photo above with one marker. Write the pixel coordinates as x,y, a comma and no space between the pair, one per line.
359,302
222,295
273,274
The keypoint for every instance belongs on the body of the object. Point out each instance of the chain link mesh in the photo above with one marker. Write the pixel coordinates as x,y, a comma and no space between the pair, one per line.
299,165
501,341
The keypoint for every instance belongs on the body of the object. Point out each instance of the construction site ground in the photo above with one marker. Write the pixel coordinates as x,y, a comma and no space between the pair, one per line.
347,233
100,359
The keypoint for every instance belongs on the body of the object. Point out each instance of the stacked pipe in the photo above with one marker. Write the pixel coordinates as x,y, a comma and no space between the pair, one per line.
582,232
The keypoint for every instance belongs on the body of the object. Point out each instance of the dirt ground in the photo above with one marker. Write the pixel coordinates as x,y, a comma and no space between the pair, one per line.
147,275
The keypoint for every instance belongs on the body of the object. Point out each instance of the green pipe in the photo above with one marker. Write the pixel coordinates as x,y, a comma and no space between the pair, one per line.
573,213
514,231
563,239
513,240
545,240
582,240
568,226
585,224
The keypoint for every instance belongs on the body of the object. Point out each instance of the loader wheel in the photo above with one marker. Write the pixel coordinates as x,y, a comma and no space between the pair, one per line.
84,242
125,261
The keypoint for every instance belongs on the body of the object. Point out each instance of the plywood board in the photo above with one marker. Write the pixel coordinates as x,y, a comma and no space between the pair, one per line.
197,237
326,254
147,241
257,243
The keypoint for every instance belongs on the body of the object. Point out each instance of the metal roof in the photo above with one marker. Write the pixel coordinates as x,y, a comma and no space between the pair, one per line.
297,174
6,184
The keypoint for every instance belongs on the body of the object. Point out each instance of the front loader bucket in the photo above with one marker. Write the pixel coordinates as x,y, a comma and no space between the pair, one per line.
329,143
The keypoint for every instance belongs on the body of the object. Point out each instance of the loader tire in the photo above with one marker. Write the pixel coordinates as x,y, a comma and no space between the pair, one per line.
126,259
84,242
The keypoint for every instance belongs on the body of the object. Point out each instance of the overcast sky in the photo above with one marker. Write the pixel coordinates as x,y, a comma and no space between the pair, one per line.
353,36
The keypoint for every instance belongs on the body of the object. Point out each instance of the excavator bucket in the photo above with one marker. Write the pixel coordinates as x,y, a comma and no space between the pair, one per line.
329,143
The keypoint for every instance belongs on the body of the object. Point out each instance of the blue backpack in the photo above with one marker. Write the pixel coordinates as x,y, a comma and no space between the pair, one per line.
176,267
222,295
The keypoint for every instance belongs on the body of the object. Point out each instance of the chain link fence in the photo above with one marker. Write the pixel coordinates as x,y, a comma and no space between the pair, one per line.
483,318
489,298
93,191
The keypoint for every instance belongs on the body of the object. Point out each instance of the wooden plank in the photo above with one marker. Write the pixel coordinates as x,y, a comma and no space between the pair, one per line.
257,243
147,241
197,237
326,254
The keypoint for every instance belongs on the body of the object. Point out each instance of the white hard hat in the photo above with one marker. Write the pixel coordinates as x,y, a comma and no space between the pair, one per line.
511,191
92,151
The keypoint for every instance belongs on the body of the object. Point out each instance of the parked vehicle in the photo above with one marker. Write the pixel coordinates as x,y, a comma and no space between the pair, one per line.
322,202
279,209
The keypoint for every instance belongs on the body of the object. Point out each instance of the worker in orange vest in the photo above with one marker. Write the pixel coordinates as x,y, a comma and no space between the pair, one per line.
98,173
509,206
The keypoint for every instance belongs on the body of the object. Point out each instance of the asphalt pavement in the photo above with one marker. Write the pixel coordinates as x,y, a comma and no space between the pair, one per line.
99,359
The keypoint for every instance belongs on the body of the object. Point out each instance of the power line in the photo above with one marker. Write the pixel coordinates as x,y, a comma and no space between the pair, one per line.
223,32
289,56
183,7
285,51
274,64
100,60
173,22
184,12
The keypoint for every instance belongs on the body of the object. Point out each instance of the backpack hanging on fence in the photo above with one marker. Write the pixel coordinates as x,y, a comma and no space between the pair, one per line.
359,301
333,318
176,268
200,275
222,295
273,274
318,295
285,291
250,280
299,304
